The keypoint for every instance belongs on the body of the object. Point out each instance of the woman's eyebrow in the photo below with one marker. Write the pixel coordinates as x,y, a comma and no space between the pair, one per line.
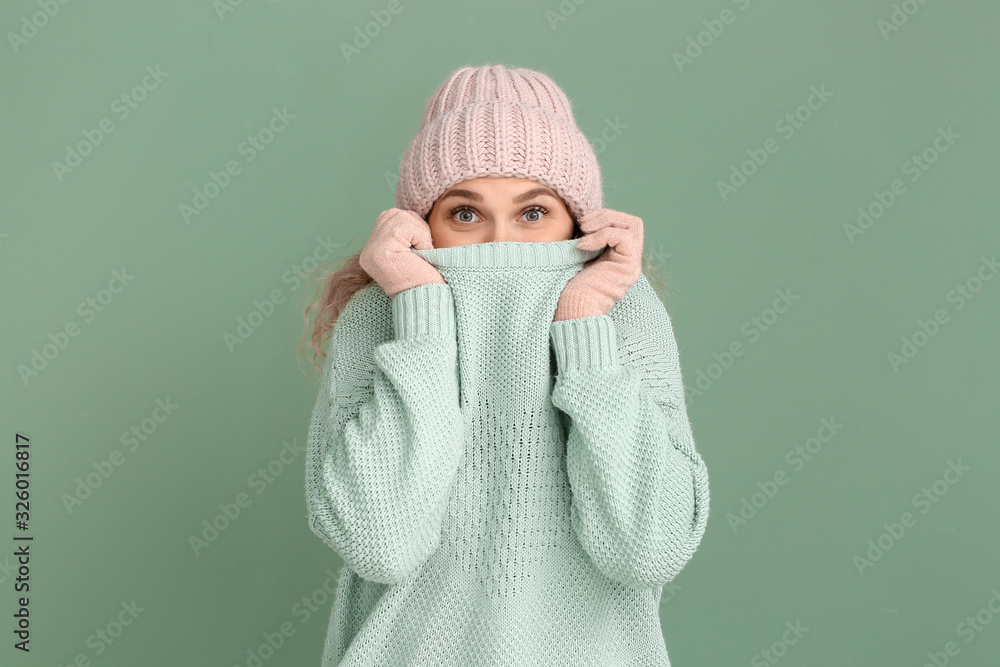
532,193
523,197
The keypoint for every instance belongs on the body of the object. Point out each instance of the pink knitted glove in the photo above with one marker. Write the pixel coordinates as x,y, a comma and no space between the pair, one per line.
606,279
387,256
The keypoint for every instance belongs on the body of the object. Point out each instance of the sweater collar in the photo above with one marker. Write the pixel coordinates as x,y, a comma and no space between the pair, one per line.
504,254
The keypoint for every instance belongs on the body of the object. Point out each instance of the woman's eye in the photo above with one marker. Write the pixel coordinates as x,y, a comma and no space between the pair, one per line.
462,209
461,212
536,209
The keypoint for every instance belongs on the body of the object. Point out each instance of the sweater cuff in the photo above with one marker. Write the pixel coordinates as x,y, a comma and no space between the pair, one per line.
584,342
424,310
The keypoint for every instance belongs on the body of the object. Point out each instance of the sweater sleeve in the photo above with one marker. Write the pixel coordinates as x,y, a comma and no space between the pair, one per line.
381,458
640,489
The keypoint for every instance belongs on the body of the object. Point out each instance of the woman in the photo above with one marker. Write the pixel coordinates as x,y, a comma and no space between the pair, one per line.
500,450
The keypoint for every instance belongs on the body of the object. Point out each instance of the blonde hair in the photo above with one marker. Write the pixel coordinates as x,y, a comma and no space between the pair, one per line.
337,286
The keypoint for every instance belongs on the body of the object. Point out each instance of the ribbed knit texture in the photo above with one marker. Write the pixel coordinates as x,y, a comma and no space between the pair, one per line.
504,490
495,120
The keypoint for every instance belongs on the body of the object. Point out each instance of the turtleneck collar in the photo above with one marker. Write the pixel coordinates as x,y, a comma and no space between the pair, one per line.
510,254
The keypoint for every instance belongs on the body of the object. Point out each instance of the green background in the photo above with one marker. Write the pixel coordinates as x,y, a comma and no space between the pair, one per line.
331,170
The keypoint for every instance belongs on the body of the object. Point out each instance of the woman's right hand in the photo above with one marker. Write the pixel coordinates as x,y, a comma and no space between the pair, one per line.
387,256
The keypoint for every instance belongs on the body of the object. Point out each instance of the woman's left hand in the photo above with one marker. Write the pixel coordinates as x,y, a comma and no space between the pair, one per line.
606,279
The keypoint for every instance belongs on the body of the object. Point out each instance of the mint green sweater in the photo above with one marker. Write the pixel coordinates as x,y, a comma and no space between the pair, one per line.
504,490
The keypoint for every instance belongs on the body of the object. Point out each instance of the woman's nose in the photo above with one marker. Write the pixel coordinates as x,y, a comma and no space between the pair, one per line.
499,232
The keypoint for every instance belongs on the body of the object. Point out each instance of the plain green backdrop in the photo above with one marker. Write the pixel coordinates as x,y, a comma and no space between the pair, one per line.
707,125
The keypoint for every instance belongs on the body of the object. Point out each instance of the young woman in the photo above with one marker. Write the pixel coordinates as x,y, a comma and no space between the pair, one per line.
500,449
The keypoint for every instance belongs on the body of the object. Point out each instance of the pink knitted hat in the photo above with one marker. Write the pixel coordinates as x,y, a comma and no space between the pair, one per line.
495,121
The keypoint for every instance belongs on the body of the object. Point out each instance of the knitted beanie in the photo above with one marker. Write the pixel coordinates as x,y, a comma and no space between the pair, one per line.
498,121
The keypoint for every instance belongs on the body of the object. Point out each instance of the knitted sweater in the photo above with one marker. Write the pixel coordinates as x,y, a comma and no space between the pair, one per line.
504,490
